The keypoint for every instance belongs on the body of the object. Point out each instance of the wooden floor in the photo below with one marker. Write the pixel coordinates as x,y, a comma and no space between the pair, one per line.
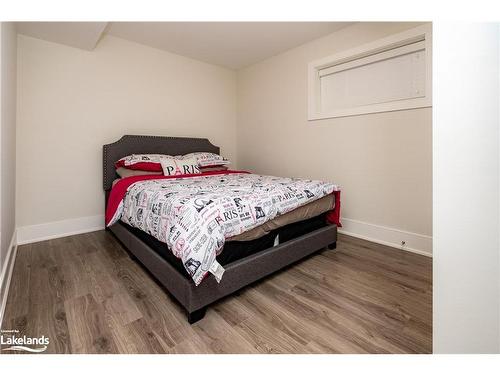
88,296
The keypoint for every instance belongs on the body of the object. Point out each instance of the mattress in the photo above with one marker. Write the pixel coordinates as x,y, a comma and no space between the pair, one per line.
236,250
301,213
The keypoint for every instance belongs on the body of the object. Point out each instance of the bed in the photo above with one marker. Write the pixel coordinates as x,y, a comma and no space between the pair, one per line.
244,260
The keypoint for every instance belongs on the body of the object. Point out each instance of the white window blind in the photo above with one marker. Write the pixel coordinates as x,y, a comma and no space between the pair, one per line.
389,76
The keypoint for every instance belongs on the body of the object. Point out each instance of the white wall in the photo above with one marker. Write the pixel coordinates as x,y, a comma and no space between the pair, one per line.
382,161
466,188
71,102
8,137
8,67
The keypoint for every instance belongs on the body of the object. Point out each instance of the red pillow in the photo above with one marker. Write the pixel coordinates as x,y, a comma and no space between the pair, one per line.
140,166
141,162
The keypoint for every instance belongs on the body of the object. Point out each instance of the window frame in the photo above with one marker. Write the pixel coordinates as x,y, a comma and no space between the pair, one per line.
421,33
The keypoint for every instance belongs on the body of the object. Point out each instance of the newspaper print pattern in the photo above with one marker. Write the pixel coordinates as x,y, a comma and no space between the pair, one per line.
208,159
195,215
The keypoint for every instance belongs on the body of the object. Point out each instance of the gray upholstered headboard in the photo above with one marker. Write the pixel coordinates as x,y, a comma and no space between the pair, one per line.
147,144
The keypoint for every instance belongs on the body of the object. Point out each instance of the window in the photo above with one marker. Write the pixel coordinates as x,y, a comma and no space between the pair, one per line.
390,74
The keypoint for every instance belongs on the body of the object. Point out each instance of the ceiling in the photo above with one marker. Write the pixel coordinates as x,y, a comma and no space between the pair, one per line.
233,45
84,35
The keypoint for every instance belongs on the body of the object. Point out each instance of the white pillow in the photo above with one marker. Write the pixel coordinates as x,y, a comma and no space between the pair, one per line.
179,166
142,158
207,159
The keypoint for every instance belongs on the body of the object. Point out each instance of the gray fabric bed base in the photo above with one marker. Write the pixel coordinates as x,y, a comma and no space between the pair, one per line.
238,274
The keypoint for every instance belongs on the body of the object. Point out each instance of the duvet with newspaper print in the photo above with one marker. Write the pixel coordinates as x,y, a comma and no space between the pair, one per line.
195,215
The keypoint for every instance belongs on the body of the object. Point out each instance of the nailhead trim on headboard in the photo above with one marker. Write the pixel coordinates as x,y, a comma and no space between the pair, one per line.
149,144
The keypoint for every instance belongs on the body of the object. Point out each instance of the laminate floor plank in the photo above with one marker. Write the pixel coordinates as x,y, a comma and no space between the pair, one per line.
87,295
365,298
220,337
270,314
89,330
157,308
319,319
46,314
70,264
145,339
18,302
231,310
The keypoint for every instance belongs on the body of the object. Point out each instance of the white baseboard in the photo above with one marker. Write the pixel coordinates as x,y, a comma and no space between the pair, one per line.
414,242
57,229
6,274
